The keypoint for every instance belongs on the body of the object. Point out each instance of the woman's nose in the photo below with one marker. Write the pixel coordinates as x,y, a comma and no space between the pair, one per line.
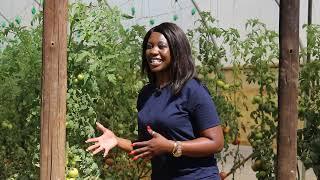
154,51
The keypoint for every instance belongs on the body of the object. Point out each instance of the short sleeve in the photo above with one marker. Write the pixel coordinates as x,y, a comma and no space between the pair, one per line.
203,110
143,95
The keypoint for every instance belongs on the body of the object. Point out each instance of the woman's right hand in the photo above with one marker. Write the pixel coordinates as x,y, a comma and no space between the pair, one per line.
106,141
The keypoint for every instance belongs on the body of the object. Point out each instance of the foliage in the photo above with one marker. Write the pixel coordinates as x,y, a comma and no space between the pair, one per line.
104,79
309,109
260,49
20,62
215,47
103,82
251,56
212,56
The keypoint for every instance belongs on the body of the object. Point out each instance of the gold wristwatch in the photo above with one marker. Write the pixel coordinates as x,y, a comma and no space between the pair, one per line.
177,149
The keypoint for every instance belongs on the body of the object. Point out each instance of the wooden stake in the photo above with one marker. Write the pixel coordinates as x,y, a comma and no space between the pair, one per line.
54,88
288,90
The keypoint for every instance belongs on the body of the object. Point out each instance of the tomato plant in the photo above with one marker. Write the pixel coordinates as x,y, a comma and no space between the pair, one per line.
309,103
104,80
260,49
103,83
20,62
214,47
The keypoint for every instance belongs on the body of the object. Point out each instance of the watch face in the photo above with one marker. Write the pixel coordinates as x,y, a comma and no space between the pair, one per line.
178,151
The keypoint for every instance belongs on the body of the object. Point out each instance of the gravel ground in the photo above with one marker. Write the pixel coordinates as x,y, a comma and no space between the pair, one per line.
246,173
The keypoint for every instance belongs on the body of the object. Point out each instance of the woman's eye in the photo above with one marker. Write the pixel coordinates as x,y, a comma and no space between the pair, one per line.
162,46
149,46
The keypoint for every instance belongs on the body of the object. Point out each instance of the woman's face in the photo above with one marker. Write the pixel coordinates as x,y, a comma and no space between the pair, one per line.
158,53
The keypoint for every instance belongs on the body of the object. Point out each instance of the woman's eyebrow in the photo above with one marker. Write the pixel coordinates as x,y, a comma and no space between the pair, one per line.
161,41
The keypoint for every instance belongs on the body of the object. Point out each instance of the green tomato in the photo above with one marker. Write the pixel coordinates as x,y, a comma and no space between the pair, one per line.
120,126
73,173
237,84
256,100
257,165
4,124
73,163
226,87
121,132
259,135
80,77
220,83
254,167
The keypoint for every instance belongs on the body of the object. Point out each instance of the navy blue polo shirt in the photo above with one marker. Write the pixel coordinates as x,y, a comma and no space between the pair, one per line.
179,118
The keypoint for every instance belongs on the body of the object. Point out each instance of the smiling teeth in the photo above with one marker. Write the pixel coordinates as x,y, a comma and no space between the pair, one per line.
156,61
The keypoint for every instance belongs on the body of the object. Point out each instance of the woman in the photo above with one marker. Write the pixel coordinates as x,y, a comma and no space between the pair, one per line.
178,126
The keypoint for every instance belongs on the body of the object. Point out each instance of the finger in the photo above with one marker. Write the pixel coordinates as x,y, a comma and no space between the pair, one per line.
91,140
100,127
151,132
97,150
93,147
143,155
139,151
140,144
105,153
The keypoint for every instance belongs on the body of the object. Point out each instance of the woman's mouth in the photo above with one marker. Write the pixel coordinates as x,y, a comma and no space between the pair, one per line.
155,61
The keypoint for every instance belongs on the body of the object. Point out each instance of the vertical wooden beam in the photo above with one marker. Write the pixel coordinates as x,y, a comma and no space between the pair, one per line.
288,90
309,23
54,88
300,41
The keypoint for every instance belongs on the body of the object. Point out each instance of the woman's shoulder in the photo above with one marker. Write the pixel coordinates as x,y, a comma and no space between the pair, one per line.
194,85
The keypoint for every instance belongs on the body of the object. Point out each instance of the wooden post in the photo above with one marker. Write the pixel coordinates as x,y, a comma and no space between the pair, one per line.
54,87
309,23
288,90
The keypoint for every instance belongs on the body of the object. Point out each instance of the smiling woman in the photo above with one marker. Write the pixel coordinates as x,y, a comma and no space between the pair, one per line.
158,53
178,125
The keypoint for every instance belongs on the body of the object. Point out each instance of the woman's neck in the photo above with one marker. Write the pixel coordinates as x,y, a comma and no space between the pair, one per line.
162,80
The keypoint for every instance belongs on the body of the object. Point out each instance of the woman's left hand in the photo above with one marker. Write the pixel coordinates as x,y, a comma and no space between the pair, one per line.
155,146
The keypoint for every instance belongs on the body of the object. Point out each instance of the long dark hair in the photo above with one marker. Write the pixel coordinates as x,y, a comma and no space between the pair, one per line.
182,66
